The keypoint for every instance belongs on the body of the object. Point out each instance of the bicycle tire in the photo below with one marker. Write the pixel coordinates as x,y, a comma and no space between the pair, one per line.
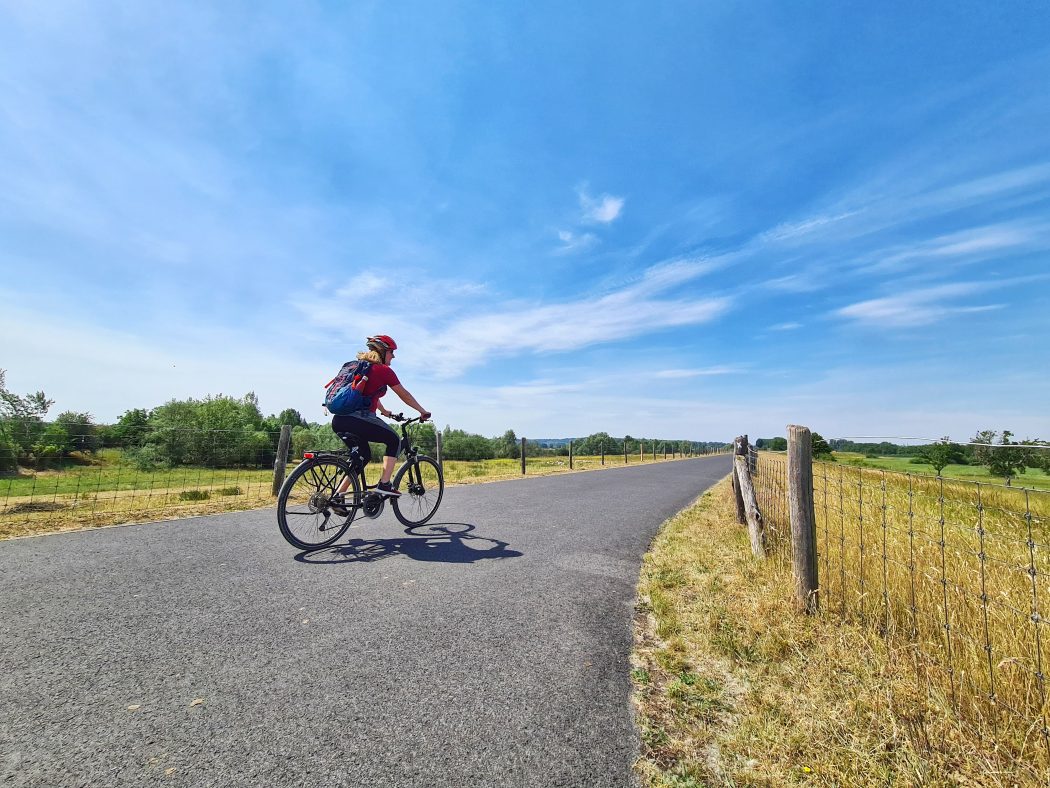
306,496
412,503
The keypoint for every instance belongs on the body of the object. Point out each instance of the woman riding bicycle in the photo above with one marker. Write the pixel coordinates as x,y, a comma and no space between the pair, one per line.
365,424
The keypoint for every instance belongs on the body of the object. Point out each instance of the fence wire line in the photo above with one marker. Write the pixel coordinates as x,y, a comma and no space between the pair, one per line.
956,574
1043,445
201,471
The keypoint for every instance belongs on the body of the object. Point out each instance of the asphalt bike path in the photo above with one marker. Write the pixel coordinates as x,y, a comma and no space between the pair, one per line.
488,648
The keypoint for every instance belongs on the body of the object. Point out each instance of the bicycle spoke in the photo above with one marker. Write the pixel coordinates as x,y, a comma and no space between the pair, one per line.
421,488
306,513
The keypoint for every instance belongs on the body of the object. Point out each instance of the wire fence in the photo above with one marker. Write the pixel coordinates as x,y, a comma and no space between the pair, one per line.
74,480
956,574
112,489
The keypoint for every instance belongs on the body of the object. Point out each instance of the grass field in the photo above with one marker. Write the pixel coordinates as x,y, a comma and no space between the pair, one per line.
733,687
108,492
1032,477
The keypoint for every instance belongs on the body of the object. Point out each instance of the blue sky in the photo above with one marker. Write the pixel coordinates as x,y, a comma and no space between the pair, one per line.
694,220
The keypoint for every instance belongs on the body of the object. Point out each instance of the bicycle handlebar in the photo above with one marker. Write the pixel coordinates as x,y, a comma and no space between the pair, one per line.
400,419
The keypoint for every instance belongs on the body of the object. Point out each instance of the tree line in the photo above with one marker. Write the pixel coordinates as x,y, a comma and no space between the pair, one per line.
224,431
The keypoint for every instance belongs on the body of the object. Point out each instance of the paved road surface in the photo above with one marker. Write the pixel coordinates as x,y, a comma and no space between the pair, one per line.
489,648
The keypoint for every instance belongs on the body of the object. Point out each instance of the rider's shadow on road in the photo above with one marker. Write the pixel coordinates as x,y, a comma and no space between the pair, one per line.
451,543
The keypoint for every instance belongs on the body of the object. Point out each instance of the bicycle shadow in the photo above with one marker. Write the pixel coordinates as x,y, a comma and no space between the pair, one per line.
450,543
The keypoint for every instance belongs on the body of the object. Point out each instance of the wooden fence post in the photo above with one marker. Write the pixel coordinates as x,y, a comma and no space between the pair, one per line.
603,452
437,445
654,451
280,463
624,451
755,526
739,448
803,518
522,456
570,455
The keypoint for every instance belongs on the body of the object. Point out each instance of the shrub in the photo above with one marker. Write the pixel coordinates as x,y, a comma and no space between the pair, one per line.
8,454
146,458
229,491
194,495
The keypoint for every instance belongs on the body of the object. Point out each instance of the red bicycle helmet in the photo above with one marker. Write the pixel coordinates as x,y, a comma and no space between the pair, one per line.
382,343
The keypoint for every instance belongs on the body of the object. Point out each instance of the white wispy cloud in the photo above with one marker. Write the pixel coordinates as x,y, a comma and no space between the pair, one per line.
917,307
602,209
563,327
427,292
792,230
674,374
574,242
461,330
790,326
968,245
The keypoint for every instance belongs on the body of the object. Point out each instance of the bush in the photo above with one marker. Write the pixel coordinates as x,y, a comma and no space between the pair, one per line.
146,458
8,455
229,491
194,495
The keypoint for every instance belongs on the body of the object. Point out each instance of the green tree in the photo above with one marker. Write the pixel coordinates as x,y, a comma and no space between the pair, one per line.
172,426
1005,458
460,445
130,430
22,419
424,437
821,449
1040,458
507,445
290,416
52,444
82,430
314,437
940,455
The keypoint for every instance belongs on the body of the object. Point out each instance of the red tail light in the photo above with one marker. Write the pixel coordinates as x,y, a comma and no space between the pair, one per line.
308,455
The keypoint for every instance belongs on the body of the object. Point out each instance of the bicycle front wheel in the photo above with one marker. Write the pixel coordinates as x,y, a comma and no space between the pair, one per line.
310,511
421,484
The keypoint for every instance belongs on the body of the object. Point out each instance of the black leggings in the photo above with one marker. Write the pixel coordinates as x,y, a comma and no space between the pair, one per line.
365,429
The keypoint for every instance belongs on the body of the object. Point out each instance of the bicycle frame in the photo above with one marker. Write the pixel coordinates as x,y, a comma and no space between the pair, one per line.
349,455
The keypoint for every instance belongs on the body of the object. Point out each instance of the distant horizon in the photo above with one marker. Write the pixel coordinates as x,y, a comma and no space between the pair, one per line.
682,219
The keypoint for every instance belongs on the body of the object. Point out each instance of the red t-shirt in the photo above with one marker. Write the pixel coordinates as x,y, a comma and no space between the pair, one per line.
380,376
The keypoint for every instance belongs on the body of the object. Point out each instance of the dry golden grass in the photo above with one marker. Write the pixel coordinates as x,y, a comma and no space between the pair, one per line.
954,574
733,687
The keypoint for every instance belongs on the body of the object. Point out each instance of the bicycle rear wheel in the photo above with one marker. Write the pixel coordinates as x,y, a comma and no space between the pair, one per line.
421,484
308,512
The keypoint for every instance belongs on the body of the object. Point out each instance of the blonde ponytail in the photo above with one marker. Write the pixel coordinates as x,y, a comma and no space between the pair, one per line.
370,355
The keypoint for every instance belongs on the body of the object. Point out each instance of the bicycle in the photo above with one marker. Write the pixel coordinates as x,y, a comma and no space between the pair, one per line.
322,496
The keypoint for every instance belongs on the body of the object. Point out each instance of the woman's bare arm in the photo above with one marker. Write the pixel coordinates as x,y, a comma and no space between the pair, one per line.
408,399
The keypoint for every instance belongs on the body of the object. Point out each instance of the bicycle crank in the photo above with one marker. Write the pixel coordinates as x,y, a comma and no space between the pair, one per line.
373,504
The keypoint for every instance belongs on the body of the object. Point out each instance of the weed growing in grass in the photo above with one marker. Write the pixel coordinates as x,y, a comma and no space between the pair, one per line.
194,495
